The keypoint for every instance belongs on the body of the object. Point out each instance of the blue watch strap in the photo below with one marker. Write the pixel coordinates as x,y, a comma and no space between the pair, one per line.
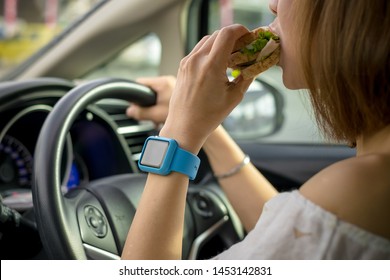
164,158
186,163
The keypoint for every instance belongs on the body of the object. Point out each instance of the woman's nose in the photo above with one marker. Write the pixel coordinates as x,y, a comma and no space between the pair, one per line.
273,6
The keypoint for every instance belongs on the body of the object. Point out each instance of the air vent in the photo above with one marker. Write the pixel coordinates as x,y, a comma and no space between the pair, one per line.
135,136
135,132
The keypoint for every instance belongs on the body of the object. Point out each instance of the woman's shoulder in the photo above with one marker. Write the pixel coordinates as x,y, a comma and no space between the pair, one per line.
356,190
372,168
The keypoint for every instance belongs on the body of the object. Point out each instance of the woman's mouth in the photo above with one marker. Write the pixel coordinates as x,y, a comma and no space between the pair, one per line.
273,28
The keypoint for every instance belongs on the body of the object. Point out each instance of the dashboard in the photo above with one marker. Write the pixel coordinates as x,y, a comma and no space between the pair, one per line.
98,146
97,174
93,151
18,136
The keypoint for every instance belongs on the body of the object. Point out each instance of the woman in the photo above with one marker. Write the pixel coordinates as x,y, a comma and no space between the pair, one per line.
339,50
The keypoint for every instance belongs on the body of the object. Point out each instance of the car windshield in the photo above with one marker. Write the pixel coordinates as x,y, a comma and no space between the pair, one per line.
28,25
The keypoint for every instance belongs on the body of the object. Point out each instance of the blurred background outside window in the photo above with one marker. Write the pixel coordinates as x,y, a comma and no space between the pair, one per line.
27,25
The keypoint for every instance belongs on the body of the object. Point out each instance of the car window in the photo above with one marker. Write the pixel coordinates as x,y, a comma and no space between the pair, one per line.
139,59
298,125
250,13
26,26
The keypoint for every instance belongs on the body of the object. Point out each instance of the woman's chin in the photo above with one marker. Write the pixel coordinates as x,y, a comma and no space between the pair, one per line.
292,83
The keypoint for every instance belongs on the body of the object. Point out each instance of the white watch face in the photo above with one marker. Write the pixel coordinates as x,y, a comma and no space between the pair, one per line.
154,153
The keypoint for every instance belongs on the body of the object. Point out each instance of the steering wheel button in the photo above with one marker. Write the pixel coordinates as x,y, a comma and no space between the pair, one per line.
202,204
95,221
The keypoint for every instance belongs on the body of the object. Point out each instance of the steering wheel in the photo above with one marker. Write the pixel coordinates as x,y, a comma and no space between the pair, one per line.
65,223
92,222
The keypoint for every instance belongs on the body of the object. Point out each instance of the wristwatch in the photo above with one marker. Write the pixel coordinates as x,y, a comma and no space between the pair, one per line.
162,155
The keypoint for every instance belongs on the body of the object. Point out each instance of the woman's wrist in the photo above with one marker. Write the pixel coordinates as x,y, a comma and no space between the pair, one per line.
223,153
234,170
185,140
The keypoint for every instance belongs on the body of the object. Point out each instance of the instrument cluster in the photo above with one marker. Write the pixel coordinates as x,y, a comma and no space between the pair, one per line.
90,154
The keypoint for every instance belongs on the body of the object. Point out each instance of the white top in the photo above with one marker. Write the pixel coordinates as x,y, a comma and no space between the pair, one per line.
292,227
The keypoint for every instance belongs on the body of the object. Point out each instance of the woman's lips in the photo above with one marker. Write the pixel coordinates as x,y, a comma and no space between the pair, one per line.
273,28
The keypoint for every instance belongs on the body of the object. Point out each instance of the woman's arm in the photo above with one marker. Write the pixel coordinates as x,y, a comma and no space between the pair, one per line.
157,228
223,153
247,190
202,98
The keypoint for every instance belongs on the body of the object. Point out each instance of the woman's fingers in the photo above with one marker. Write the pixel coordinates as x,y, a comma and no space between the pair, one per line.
202,42
163,86
203,94
225,41
157,115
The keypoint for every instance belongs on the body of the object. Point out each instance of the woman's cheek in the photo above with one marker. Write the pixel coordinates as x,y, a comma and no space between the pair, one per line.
292,74
291,80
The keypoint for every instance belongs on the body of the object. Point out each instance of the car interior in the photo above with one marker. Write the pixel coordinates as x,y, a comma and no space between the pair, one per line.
69,180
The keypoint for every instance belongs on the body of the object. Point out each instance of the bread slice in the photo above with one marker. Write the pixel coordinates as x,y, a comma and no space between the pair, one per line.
256,68
252,58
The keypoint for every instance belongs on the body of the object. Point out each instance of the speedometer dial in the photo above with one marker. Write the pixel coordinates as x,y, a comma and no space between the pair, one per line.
15,164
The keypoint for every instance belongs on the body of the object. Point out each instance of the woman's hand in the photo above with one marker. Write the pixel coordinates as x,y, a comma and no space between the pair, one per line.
163,86
203,95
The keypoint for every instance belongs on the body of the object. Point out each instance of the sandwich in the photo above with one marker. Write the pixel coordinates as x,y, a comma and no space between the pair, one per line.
254,53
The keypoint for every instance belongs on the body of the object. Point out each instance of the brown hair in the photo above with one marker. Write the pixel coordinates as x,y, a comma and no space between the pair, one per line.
344,47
